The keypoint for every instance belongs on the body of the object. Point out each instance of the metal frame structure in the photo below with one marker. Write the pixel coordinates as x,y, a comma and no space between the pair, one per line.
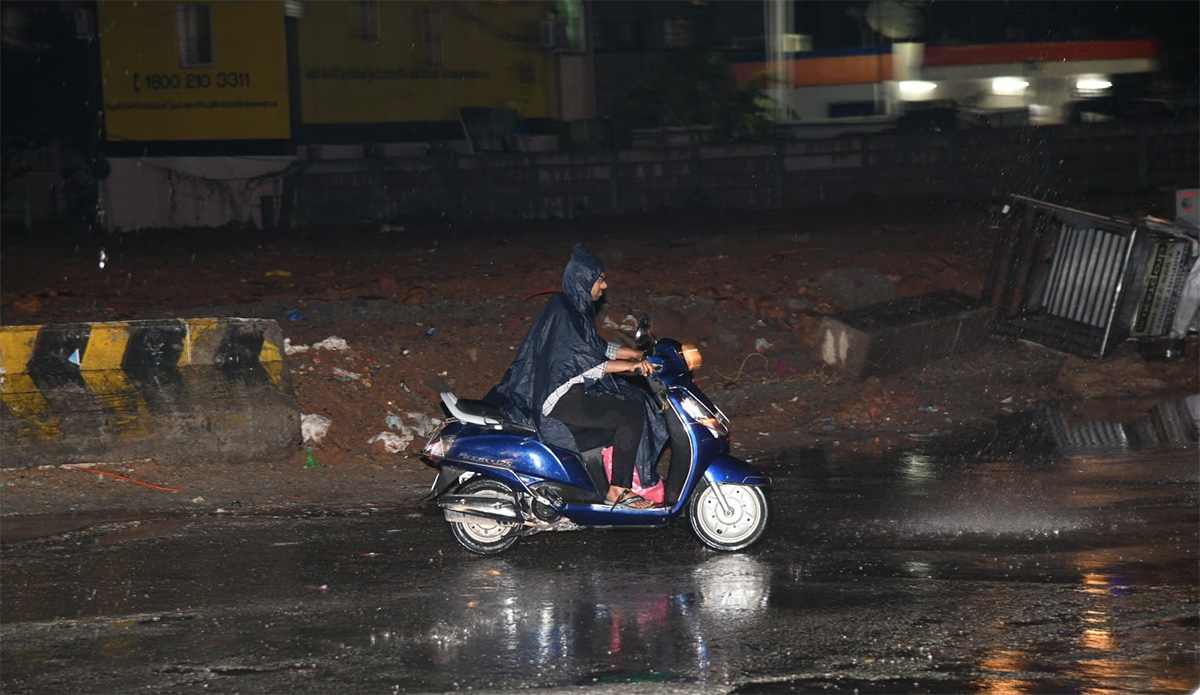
1074,280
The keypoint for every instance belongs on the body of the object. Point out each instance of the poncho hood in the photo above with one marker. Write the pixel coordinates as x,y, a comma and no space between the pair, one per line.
581,273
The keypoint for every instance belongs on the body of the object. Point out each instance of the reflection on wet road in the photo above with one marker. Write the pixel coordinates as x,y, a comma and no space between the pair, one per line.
1005,561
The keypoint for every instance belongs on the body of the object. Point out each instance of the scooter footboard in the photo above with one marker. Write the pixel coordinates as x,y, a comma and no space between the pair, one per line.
727,469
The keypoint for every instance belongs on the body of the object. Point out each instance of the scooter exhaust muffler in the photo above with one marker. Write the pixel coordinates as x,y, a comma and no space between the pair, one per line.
479,506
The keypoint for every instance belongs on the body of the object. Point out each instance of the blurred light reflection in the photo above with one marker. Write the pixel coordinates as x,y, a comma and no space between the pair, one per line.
1004,663
1095,638
513,619
919,467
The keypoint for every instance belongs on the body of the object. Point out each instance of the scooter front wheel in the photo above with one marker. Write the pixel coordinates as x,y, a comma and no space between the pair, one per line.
730,518
485,536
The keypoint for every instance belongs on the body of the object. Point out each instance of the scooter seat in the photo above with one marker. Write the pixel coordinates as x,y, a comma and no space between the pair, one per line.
468,410
480,409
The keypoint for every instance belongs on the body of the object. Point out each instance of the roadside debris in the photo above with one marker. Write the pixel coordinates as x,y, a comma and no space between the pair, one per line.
331,343
402,435
346,374
392,442
313,427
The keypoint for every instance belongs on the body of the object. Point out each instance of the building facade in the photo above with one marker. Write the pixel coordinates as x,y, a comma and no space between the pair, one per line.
209,106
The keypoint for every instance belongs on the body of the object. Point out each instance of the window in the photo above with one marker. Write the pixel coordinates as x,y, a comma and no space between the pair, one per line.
195,36
365,18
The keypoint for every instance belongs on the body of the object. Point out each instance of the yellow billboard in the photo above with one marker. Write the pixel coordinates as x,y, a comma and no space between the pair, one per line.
404,62
194,70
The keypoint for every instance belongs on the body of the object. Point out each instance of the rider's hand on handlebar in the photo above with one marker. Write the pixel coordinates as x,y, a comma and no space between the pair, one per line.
639,365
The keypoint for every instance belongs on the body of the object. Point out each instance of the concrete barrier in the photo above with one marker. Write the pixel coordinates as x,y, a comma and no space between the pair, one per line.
889,337
176,390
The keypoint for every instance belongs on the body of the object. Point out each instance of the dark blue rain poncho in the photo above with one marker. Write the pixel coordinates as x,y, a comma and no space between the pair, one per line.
563,349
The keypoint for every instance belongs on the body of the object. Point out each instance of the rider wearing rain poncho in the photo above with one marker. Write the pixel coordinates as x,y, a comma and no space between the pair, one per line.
561,381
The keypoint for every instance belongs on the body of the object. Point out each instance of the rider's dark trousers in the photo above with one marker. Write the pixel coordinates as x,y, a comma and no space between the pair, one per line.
625,419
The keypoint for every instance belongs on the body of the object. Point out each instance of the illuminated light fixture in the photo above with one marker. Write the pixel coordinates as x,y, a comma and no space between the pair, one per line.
1009,86
916,88
1091,84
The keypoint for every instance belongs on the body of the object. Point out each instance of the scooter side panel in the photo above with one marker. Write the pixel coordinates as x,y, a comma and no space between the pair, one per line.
517,453
727,469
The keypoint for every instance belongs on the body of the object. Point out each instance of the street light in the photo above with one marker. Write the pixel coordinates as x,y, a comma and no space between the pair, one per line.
1009,86
914,89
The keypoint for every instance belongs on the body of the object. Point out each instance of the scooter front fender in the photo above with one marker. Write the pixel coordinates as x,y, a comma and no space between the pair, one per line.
727,469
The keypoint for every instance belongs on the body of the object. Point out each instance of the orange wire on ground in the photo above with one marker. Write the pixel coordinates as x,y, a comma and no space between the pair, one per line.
122,477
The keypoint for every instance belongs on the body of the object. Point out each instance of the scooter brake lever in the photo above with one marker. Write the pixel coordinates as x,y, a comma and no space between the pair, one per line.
658,391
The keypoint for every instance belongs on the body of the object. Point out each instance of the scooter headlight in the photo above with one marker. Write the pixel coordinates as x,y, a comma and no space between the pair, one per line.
702,415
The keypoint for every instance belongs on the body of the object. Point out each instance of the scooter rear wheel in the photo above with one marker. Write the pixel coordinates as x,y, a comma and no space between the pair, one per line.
485,536
734,520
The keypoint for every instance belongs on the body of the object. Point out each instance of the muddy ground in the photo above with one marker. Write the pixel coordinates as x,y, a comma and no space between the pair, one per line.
428,300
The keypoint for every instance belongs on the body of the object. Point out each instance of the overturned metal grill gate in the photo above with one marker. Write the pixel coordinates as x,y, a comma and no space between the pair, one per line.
1081,282
1084,274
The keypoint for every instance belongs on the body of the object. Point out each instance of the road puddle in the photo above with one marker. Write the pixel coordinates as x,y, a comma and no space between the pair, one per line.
118,526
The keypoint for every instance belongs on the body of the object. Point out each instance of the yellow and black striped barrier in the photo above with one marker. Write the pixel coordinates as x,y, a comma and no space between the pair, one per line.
175,390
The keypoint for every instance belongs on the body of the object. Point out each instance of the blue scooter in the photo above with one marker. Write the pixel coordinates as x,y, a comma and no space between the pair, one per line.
497,481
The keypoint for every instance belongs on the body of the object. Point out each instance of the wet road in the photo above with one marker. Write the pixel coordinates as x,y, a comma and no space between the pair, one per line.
1038,557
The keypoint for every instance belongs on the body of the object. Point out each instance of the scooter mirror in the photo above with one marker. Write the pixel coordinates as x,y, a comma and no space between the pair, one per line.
642,338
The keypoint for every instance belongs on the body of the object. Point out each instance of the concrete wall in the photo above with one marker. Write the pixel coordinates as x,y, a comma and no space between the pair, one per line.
54,187
1047,162
181,192
353,184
